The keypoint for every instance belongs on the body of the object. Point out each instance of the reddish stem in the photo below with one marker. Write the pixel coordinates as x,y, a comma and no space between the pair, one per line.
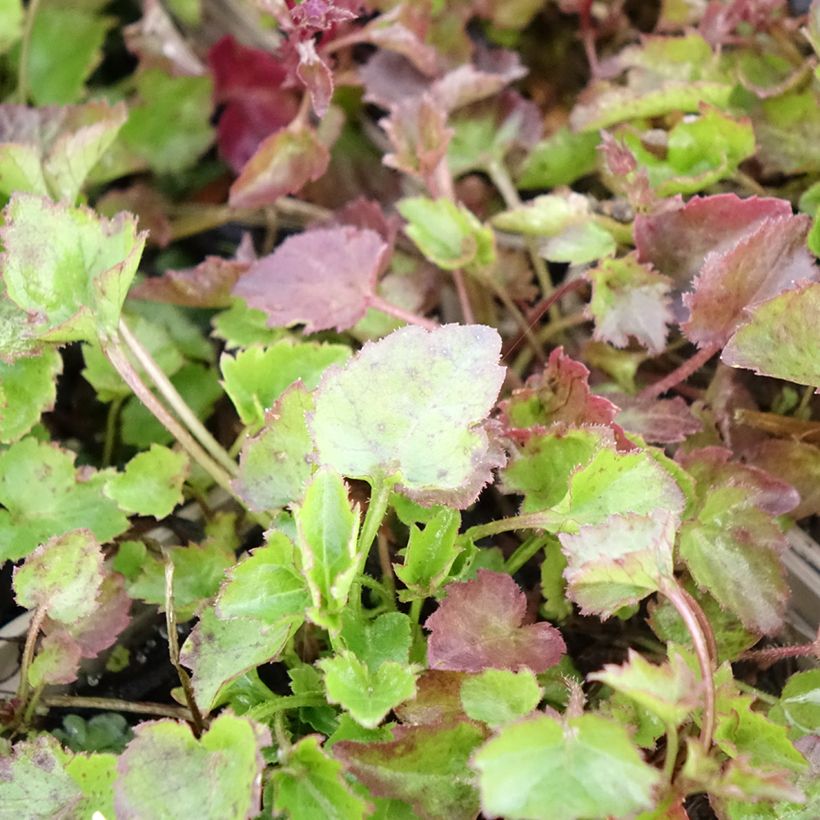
680,374
766,657
400,313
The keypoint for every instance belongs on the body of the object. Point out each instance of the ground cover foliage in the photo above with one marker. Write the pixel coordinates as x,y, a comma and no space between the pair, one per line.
467,352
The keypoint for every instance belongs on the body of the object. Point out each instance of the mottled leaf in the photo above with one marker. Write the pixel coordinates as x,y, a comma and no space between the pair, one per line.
274,466
217,777
57,661
282,164
780,338
523,770
618,562
322,278
425,766
480,625
435,390
151,483
63,577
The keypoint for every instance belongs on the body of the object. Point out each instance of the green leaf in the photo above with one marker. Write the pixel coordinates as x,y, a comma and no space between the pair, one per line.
256,377
448,234
327,526
95,775
425,766
266,585
545,770
77,281
45,496
151,483
27,388
386,638
733,551
199,387
169,126
274,466
166,771
309,785
219,651
243,326
368,694
34,785
560,159
669,691
780,339
105,380
11,23
499,696
619,562
434,389
798,707
66,46
429,554
104,732
63,576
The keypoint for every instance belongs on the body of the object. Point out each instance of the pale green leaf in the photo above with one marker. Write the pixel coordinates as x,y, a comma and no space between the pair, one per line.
27,388
798,707
434,389
95,775
386,638
499,696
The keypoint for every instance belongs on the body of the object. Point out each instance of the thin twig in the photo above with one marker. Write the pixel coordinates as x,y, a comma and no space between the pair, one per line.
463,297
28,650
680,374
116,705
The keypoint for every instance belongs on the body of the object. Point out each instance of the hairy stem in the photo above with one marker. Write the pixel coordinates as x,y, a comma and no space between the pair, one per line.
376,509
525,550
672,746
173,646
677,597
177,403
273,707
529,521
526,328
116,705
131,377
680,374
28,650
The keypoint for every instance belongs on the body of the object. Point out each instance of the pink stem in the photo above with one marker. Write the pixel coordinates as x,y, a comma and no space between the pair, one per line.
680,374
463,297
399,313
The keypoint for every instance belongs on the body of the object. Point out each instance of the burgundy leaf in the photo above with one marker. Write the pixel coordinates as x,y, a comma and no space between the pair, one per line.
250,84
677,240
283,163
321,278
658,421
768,260
480,625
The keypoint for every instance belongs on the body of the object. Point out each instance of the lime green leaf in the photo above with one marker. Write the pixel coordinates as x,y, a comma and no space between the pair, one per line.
34,785
169,126
274,466
11,23
63,576
798,707
100,373
618,562
45,496
449,235
95,775
425,766
199,387
630,300
669,690
77,281
151,483
386,638
368,694
242,326
499,696
524,772
219,651
309,784
257,376
328,527
780,339
435,390
27,388
218,777
266,585
430,554
559,160
66,46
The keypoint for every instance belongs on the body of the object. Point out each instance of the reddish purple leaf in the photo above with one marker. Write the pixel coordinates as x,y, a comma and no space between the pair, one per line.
249,82
283,163
796,462
437,700
208,285
677,239
368,214
402,31
558,394
147,203
658,421
768,260
322,279
389,78
492,70
480,625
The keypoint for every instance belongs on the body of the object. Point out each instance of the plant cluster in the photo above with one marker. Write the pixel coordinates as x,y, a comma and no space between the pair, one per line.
467,353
